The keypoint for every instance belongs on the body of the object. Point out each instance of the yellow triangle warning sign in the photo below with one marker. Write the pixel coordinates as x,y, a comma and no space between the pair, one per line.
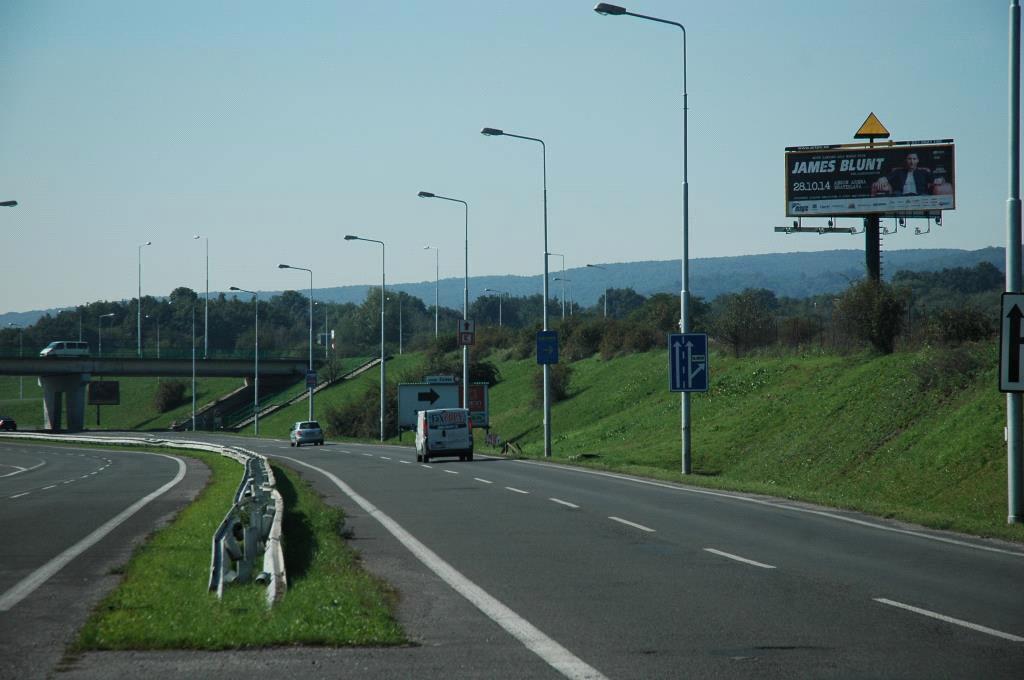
871,128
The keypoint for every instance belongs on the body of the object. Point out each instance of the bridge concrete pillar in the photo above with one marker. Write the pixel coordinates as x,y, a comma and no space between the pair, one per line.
60,388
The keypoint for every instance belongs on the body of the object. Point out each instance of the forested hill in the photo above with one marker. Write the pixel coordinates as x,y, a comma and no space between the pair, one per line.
786,274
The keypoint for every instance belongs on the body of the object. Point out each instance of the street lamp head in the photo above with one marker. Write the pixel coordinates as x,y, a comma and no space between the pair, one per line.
284,266
350,237
147,243
234,288
492,132
195,237
609,10
425,194
8,204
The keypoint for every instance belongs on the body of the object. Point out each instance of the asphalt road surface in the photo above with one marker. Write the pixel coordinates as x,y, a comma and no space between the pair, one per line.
524,569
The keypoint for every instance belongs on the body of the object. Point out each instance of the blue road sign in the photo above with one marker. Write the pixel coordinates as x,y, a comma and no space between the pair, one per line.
688,362
547,347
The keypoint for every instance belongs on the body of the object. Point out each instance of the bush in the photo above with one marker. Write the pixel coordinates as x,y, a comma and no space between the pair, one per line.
583,341
958,325
947,370
361,418
170,394
870,311
560,376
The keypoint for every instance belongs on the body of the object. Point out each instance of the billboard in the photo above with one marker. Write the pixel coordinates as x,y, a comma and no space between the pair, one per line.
898,179
105,392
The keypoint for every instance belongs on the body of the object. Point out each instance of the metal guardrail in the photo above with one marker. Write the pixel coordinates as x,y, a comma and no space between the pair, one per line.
251,528
254,520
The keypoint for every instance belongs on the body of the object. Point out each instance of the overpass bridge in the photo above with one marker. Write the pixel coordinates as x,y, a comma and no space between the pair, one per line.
68,377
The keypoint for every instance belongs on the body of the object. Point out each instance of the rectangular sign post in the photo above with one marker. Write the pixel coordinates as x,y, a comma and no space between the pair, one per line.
467,331
688,362
414,397
547,347
1011,343
479,405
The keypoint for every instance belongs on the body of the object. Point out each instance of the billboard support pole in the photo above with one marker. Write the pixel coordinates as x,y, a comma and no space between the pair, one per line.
873,247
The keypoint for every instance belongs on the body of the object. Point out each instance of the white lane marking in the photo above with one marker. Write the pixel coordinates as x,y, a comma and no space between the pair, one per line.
950,619
557,656
483,481
565,503
368,455
20,495
52,486
776,505
762,565
425,466
451,472
84,477
22,469
37,578
512,488
384,458
405,462
641,527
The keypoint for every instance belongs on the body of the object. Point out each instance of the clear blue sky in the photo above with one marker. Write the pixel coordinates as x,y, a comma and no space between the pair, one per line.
276,128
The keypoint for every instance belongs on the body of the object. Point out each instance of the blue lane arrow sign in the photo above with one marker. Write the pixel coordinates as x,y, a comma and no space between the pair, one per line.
688,362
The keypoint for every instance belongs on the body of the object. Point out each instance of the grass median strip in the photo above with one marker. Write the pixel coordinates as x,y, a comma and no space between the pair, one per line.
163,602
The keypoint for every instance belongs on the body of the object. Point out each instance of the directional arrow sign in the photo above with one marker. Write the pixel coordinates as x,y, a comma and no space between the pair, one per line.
414,397
430,396
1011,344
688,362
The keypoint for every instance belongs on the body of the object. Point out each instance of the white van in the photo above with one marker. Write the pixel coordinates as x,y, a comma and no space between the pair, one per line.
65,348
444,432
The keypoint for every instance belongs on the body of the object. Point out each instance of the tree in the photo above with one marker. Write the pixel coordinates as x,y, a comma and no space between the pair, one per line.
870,311
745,320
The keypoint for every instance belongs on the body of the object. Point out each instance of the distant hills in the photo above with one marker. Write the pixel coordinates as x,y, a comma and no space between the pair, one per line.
787,274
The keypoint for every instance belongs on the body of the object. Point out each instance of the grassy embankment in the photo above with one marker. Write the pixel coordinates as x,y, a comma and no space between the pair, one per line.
163,602
910,435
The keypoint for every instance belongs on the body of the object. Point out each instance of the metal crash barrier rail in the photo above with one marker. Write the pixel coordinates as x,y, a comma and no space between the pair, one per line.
251,528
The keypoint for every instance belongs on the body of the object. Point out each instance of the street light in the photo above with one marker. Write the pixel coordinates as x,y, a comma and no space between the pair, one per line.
383,280
156,317
500,293
684,297
99,325
288,266
465,294
437,274
563,281
8,204
139,327
256,368
21,386
206,311
495,132
597,266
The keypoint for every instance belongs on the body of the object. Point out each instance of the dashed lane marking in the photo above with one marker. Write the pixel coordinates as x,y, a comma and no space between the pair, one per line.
641,527
730,556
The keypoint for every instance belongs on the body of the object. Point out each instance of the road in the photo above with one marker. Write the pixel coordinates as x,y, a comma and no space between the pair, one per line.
70,518
525,569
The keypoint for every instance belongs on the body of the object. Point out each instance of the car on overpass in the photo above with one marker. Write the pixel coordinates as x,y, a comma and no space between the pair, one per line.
65,348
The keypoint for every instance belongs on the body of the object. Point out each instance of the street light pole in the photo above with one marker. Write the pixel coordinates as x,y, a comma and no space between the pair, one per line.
256,368
437,278
563,281
383,281
465,294
138,332
206,310
597,266
288,266
684,297
500,293
494,132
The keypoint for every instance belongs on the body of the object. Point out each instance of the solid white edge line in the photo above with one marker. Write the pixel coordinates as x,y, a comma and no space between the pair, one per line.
558,657
641,527
950,619
762,565
776,505
565,503
37,578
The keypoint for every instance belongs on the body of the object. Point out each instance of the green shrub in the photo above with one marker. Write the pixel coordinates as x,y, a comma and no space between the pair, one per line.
170,394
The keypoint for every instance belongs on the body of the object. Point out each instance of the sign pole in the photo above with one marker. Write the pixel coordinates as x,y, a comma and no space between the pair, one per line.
1013,268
